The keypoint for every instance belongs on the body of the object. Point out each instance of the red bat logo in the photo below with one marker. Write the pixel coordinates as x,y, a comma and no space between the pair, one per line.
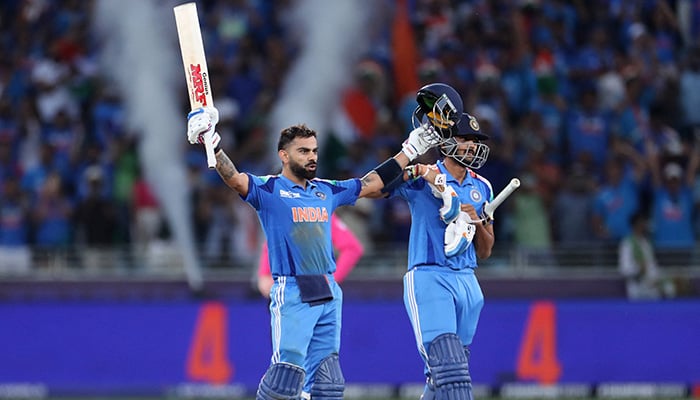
198,84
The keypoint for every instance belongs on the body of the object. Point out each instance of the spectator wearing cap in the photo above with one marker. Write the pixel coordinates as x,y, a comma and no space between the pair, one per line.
672,210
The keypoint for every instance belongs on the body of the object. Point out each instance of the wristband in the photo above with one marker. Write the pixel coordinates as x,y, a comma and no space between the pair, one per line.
388,170
411,172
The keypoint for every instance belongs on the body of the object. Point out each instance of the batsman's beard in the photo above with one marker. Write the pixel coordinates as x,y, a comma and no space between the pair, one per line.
301,172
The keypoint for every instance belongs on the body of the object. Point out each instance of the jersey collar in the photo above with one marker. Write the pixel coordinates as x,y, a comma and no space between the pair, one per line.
467,179
311,184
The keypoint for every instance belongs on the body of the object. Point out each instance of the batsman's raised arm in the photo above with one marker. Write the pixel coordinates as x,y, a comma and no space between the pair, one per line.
420,140
233,178
201,127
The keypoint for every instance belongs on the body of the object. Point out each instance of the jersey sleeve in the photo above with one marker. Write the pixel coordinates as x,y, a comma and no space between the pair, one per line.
345,192
403,189
256,191
355,186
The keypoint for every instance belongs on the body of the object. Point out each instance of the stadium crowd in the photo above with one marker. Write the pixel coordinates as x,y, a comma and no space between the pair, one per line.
594,104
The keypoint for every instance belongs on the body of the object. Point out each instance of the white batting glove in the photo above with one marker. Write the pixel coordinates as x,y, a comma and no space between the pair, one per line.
459,235
451,205
419,141
201,124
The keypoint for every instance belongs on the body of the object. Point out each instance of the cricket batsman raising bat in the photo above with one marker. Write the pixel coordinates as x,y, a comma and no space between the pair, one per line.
196,73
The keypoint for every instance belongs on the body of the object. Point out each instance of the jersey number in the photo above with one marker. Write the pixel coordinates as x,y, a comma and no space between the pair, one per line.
538,351
207,360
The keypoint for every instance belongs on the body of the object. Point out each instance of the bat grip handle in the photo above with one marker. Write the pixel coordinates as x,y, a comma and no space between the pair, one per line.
491,207
209,149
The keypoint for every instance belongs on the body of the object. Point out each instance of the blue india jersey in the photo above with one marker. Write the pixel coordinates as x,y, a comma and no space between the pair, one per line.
672,219
428,230
615,204
297,220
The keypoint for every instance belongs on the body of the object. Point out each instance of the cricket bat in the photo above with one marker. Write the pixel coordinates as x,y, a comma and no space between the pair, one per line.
500,197
195,63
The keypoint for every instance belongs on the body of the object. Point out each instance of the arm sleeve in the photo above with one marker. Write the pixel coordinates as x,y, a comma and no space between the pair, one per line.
264,261
349,248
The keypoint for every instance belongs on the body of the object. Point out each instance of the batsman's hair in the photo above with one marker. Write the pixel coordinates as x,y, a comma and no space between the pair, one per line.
293,132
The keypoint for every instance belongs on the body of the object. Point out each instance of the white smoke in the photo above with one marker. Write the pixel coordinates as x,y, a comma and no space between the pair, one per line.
140,54
332,36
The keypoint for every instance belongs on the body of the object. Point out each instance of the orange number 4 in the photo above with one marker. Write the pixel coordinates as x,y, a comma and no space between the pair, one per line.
538,351
208,360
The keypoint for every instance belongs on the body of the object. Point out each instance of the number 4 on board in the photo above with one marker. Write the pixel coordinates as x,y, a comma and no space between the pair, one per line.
538,351
208,360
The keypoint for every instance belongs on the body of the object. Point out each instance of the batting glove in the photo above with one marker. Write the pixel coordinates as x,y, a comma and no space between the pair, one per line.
459,235
201,125
419,141
451,205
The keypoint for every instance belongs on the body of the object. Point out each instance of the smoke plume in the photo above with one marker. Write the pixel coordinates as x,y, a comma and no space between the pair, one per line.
332,35
140,54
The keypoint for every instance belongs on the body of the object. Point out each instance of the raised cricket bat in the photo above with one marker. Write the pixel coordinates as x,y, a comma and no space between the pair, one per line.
500,197
195,63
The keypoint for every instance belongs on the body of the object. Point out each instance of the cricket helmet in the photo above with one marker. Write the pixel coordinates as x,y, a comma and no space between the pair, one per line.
475,157
440,106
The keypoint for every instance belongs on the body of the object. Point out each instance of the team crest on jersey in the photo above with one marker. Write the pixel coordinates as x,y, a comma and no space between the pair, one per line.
475,195
321,195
